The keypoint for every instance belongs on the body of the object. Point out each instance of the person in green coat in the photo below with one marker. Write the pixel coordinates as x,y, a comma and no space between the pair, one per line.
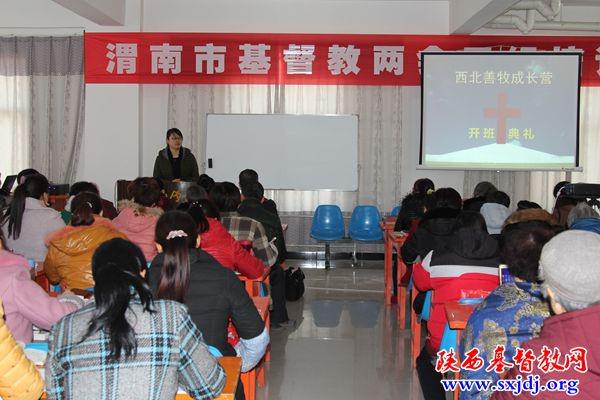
175,162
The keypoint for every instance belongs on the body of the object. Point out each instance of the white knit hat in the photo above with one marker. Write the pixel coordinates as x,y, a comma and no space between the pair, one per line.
569,265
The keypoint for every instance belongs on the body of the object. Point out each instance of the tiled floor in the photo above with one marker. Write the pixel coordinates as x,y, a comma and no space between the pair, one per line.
346,344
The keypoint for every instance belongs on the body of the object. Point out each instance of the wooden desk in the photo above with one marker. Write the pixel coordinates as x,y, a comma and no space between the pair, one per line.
58,201
458,314
391,240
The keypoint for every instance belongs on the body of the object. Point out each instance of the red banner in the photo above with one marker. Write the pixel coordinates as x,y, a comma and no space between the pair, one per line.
230,58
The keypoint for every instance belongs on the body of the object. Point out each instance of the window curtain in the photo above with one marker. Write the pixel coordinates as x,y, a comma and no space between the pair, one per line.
379,111
41,105
537,186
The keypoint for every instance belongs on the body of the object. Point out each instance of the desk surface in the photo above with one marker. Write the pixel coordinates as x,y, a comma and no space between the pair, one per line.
458,314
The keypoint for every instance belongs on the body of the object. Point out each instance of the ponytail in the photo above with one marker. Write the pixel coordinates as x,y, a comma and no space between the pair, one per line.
83,208
116,266
176,233
34,186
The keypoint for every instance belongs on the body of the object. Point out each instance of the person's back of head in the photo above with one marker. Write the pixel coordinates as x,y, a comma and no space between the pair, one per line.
498,197
521,246
83,186
206,182
176,233
526,204
483,188
83,208
247,176
210,210
195,193
144,191
116,268
581,210
22,175
225,196
423,186
196,210
568,269
253,190
444,198
558,187
35,187
470,237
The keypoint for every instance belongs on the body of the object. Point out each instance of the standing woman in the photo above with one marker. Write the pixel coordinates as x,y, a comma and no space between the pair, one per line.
29,220
175,162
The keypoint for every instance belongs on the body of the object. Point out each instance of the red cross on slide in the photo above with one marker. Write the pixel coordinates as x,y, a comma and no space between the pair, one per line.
501,113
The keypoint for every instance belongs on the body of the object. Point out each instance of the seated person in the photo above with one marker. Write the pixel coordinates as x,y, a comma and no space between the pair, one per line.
571,278
468,263
584,217
25,302
175,162
495,211
137,217
216,241
70,250
249,176
29,220
206,182
412,206
150,349
514,312
25,173
481,191
213,294
108,209
563,204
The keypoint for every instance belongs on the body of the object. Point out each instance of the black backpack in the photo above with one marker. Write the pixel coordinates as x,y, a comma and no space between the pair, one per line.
294,284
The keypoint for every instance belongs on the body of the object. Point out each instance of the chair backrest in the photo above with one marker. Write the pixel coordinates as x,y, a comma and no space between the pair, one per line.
395,211
364,223
328,223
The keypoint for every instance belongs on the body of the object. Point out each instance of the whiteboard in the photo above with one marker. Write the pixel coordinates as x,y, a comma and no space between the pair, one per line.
301,152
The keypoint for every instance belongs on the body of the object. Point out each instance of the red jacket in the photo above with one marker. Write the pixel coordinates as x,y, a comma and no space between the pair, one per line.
565,331
219,243
452,274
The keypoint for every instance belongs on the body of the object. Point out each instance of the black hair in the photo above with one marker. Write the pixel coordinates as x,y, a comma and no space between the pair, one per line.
412,207
196,211
521,246
253,190
195,193
226,196
559,186
175,272
206,182
469,233
174,131
498,197
26,173
34,186
116,267
160,183
83,186
444,198
422,186
526,204
483,188
144,191
83,208
247,176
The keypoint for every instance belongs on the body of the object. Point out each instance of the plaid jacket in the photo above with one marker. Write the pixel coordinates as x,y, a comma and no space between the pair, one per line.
244,228
170,354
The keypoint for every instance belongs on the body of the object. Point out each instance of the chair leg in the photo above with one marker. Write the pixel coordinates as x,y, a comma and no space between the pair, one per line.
415,331
327,255
354,259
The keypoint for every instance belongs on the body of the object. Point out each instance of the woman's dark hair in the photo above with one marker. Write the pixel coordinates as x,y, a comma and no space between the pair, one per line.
83,186
559,186
116,267
206,182
253,190
498,197
422,186
196,210
160,183
521,246
176,233
226,196
210,210
444,198
469,233
247,176
195,193
34,186
83,208
526,204
412,207
144,191
483,188
26,173
174,131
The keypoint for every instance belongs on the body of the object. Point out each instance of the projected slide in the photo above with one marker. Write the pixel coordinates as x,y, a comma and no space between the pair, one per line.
500,111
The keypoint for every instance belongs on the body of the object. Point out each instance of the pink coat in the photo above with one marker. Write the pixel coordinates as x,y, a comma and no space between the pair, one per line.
25,302
138,223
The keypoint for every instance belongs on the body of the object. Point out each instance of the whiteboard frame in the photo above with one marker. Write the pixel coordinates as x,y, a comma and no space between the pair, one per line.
358,166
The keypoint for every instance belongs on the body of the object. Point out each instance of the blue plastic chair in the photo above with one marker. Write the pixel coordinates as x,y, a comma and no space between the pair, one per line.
395,211
327,223
364,224
426,312
327,226
214,351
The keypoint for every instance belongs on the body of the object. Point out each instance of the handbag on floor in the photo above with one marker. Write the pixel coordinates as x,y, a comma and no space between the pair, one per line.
294,284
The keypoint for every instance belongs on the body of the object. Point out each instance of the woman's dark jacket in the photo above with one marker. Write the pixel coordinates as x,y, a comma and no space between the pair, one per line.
164,170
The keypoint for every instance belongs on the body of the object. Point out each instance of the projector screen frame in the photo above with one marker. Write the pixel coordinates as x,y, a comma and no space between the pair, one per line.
576,168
